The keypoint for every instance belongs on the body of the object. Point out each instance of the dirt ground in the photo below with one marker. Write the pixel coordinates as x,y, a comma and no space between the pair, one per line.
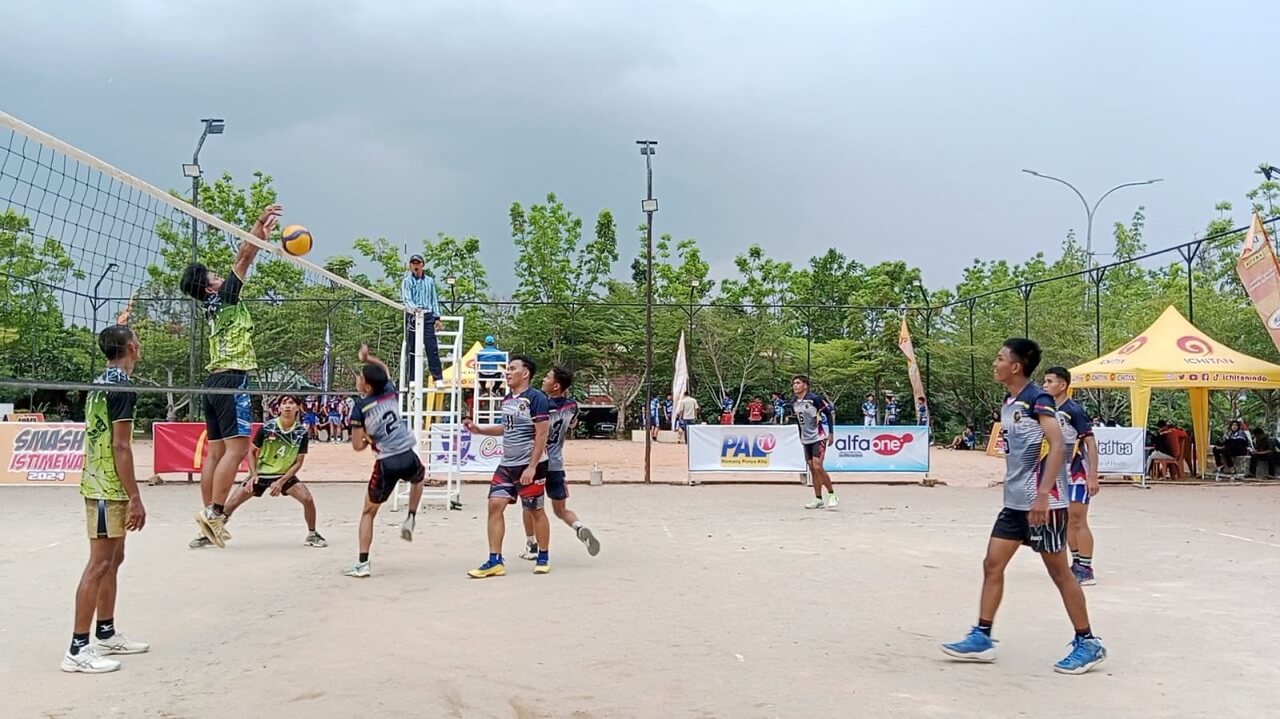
710,601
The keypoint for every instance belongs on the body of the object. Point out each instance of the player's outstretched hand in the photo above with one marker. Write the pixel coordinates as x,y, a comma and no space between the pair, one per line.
363,354
276,487
267,222
137,516
469,425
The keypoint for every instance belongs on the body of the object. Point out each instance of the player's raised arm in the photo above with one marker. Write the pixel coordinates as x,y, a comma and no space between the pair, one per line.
366,356
262,229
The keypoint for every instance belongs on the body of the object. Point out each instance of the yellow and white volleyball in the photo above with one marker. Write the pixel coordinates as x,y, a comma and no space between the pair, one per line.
296,240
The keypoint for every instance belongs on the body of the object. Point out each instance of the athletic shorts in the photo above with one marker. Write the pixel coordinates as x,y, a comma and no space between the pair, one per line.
1078,493
815,450
227,415
388,472
105,518
1050,538
263,485
506,485
557,486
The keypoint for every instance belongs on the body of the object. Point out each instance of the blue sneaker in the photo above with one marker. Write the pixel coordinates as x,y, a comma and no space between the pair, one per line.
1084,575
1085,655
977,647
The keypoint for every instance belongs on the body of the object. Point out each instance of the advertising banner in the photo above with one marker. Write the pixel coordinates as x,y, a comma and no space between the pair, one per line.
183,446
1260,274
36,454
745,448
1121,450
913,368
878,449
479,454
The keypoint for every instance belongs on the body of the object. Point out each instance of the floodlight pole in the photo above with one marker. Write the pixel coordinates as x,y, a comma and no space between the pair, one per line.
212,126
650,205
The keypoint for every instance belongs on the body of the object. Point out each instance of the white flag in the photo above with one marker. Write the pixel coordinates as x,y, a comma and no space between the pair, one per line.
680,378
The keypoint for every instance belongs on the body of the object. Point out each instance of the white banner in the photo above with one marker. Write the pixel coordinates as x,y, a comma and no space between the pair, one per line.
745,448
479,454
679,379
878,449
1121,450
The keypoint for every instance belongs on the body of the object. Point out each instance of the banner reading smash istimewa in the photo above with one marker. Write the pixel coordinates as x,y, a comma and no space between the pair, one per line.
41,453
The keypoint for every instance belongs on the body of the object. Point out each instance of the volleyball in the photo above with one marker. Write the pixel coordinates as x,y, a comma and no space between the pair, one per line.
296,240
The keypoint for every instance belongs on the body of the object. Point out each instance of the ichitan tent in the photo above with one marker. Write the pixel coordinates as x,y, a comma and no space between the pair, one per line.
1173,354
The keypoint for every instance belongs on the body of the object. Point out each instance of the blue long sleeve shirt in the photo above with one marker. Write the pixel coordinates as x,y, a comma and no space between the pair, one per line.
420,293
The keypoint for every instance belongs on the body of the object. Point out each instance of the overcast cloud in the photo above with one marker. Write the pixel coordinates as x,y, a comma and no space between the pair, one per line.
889,130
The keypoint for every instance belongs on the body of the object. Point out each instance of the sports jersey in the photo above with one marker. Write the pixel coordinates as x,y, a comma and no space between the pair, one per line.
379,415
726,404
810,410
563,411
869,409
520,413
890,412
779,407
653,408
102,410
230,328
1024,441
279,448
755,410
1075,427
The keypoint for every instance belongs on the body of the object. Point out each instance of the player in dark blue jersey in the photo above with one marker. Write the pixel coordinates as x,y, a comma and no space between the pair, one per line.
522,473
1034,513
1081,468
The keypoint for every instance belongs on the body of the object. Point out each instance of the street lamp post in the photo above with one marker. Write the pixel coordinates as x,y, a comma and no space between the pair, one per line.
1091,209
453,293
928,346
648,148
212,126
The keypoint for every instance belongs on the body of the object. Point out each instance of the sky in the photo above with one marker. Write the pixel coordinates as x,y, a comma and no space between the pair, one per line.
887,130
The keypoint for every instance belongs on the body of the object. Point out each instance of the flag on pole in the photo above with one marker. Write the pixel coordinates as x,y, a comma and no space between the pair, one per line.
1260,274
328,351
680,378
913,369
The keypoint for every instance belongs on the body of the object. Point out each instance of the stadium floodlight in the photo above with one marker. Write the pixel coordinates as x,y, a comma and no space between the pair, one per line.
650,205
190,169
450,281
214,125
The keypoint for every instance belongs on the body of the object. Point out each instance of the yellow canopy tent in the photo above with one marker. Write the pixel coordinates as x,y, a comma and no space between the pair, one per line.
1173,354
468,375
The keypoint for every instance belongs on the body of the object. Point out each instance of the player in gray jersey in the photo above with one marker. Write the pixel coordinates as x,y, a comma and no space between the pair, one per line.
564,417
1034,511
522,472
376,423
812,410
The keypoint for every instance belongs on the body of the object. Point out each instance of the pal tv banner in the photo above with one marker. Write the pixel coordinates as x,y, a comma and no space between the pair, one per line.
478,453
878,449
745,448
1121,450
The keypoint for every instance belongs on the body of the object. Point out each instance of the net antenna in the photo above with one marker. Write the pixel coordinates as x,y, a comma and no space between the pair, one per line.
10,122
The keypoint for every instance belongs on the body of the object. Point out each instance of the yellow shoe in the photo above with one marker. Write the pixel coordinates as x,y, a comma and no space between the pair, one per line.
542,568
490,568
211,527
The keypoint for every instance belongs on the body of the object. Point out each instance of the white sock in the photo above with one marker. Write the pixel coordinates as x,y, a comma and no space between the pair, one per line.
531,541
577,524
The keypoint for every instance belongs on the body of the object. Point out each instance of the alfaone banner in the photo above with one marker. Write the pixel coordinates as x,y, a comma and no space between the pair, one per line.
878,449
745,448
1121,450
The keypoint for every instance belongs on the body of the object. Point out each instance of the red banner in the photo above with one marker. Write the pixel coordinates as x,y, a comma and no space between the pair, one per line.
183,446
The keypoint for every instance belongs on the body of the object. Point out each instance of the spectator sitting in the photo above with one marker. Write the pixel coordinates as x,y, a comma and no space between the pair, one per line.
1235,443
964,440
1162,444
1264,450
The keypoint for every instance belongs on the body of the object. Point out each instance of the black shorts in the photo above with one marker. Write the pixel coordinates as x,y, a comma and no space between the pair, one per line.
388,472
815,450
227,415
1050,538
557,487
263,485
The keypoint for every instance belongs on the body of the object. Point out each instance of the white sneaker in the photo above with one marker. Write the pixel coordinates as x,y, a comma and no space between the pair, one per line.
406,529
88,661
815,504
120,644
359,570
530,551
832,501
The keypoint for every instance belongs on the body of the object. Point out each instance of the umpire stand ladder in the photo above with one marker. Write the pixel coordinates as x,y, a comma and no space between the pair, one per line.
491,387
434,416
